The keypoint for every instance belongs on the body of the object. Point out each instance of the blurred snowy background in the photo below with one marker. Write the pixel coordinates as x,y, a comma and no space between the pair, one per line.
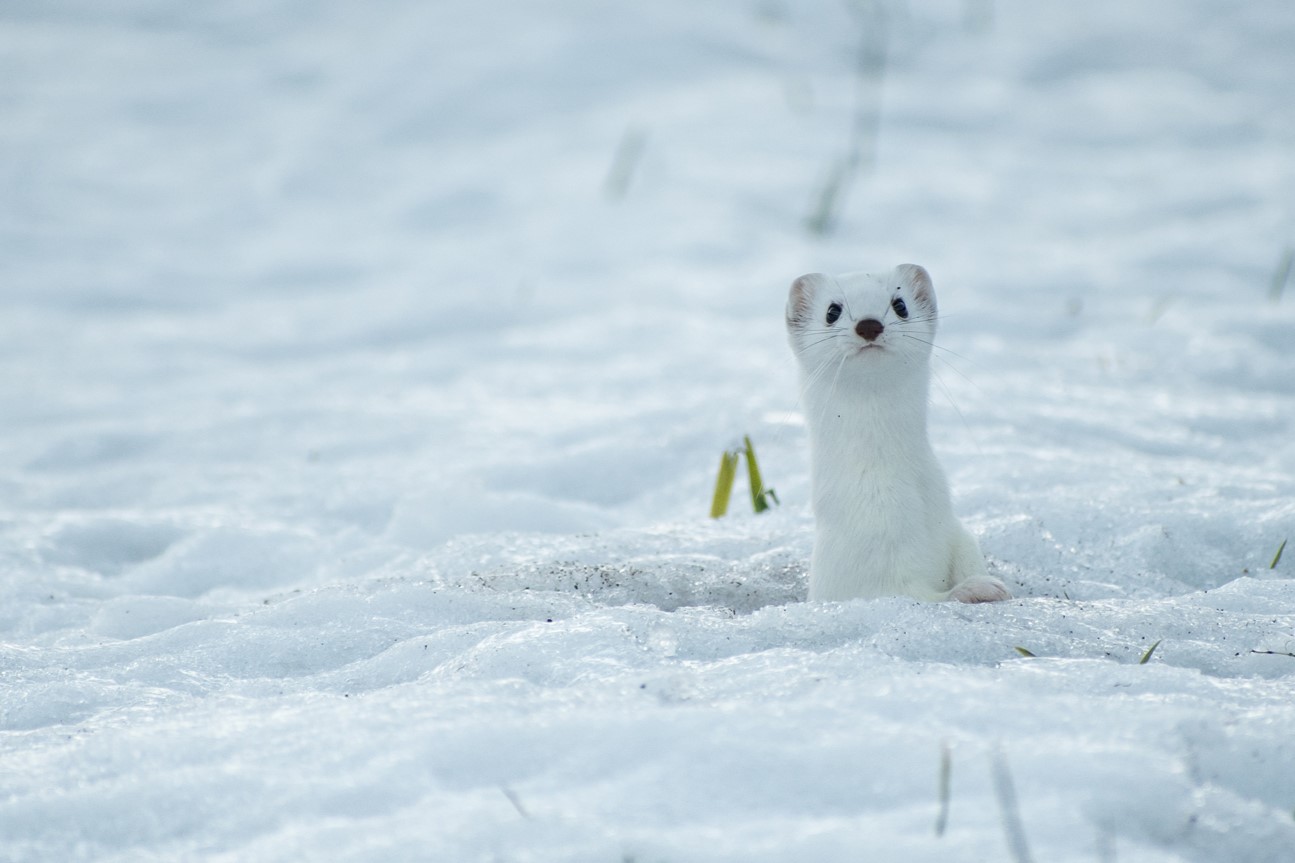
364,369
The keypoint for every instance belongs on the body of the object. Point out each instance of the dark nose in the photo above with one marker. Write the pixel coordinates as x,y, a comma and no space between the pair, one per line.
869,328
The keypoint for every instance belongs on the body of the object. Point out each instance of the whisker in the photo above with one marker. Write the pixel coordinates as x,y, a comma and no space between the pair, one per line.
960,373
819,342
949,397
814,376
831,391
812,381
919,320
937,347
844,298
951,366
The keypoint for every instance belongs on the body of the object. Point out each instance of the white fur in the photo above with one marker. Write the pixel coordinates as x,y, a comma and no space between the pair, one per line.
884,525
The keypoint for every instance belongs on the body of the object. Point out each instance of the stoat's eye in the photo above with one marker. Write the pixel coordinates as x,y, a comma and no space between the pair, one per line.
899,307
833,312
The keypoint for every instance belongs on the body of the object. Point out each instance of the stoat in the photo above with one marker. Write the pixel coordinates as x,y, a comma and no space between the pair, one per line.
884,525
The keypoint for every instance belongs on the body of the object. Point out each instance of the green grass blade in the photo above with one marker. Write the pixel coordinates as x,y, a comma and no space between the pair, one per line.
823,219
1281,275
1010,810
1277,557
628,154
1146,657
946,773
759,497
724,484
1024,652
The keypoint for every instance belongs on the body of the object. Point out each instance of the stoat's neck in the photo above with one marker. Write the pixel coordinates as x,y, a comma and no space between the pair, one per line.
864,418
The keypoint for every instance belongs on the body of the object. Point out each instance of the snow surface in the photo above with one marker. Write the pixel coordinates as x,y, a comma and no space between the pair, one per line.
361,408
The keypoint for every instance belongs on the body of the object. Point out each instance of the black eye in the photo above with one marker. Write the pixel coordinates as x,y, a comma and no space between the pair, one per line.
833,312
899,307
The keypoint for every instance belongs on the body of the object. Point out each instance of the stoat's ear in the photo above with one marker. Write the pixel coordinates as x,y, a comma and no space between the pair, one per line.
919,280
801,299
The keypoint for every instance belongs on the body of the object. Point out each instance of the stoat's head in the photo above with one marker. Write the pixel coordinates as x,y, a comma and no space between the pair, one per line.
859,320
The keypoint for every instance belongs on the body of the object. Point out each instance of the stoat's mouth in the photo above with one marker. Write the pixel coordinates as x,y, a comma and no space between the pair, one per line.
869,347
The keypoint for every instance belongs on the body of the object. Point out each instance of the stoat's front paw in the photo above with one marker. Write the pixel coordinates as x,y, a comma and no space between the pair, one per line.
982,588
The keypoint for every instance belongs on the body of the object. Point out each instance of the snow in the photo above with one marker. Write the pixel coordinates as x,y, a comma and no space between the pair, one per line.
358,433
